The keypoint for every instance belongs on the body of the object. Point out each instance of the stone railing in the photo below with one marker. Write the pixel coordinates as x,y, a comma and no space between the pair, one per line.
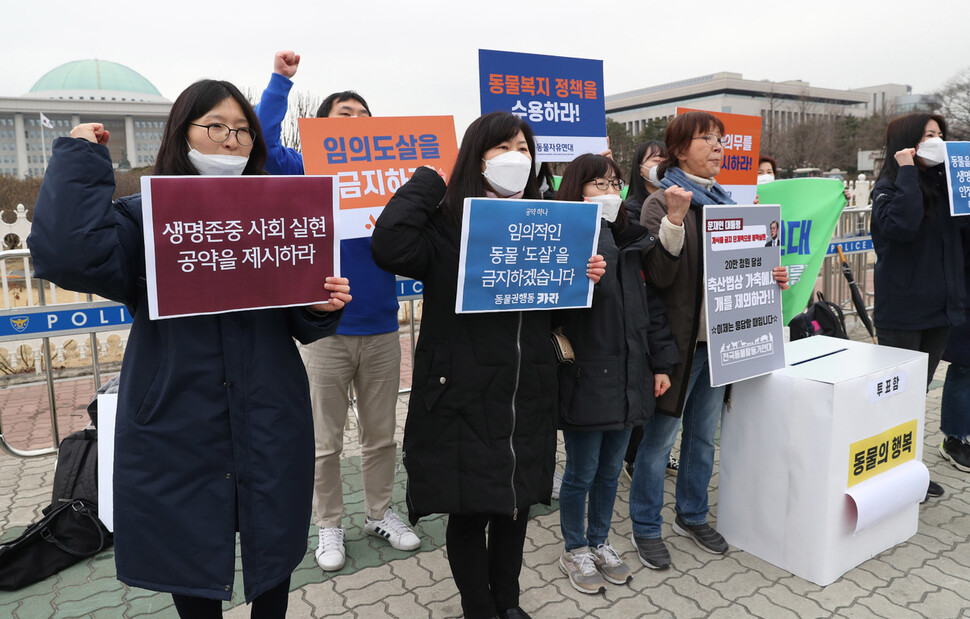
14,227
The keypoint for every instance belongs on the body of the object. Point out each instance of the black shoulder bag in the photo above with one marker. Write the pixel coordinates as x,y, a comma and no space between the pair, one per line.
70,530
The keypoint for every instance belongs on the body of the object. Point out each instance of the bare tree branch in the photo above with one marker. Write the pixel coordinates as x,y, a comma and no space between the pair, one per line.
301,104
955,105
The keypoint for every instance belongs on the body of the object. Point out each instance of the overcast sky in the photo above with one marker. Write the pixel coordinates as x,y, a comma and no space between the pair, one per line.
421,58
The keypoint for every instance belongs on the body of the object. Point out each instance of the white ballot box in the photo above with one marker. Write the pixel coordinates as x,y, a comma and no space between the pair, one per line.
821,462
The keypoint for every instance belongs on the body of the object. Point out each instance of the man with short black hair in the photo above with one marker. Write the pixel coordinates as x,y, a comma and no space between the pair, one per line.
365,352
347,104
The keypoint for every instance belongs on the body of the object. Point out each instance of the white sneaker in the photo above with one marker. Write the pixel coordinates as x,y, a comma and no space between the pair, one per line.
393,529
556,484
330,552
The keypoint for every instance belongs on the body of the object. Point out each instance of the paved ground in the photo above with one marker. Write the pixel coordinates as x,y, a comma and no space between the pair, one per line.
928,576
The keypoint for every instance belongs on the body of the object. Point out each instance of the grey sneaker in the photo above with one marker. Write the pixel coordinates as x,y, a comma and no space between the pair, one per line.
610,565
579,565
652,552
957,451
707,538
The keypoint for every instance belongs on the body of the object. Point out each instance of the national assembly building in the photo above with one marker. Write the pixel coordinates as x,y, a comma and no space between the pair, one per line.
129,106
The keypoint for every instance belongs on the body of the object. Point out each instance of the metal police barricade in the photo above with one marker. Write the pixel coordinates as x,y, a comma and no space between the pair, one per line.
44,321
852,235
409,290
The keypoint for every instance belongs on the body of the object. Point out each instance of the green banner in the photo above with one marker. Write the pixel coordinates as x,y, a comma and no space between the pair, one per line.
810,210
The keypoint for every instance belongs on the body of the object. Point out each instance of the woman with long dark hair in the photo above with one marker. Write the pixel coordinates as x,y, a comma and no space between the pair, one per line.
644,179
213,432
480,437
919,287
624,355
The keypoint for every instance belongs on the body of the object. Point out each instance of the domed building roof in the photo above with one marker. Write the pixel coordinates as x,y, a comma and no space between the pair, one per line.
95,80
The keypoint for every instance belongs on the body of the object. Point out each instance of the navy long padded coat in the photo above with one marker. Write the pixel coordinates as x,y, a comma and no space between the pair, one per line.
214,431
480,435
958,344
918,274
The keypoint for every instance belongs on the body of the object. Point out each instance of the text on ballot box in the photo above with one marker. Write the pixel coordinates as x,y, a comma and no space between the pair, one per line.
834,441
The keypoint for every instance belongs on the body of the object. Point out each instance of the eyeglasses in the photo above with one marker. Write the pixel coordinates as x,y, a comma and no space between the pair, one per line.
604,184
219,132
711,139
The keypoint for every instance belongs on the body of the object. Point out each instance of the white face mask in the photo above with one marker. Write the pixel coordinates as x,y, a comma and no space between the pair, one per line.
610,203
932,151
508,173
218,165
765,178
651,176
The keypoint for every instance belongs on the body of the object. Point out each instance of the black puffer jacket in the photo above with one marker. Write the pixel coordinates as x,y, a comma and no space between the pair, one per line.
480,435
958,345
919,257
633,206
619,343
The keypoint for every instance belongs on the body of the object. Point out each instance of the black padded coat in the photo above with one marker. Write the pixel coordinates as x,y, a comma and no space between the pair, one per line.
620,343
480,435
918,274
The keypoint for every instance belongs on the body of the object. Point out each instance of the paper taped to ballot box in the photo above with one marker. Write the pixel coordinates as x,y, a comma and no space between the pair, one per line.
834,441
888,494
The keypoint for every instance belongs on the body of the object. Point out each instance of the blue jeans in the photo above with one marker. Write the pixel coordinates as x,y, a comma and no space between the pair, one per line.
593,462
955,405
700,420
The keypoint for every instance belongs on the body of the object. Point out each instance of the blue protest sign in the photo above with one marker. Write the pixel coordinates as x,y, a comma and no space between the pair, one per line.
561,98
958,177
525,254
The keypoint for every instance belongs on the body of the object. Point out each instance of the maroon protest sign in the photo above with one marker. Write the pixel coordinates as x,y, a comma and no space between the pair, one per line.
222,244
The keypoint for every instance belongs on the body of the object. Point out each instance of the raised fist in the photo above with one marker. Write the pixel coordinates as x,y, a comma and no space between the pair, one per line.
92,132
286,63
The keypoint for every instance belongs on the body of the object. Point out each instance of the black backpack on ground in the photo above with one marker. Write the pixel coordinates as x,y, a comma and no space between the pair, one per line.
70,530
819,318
